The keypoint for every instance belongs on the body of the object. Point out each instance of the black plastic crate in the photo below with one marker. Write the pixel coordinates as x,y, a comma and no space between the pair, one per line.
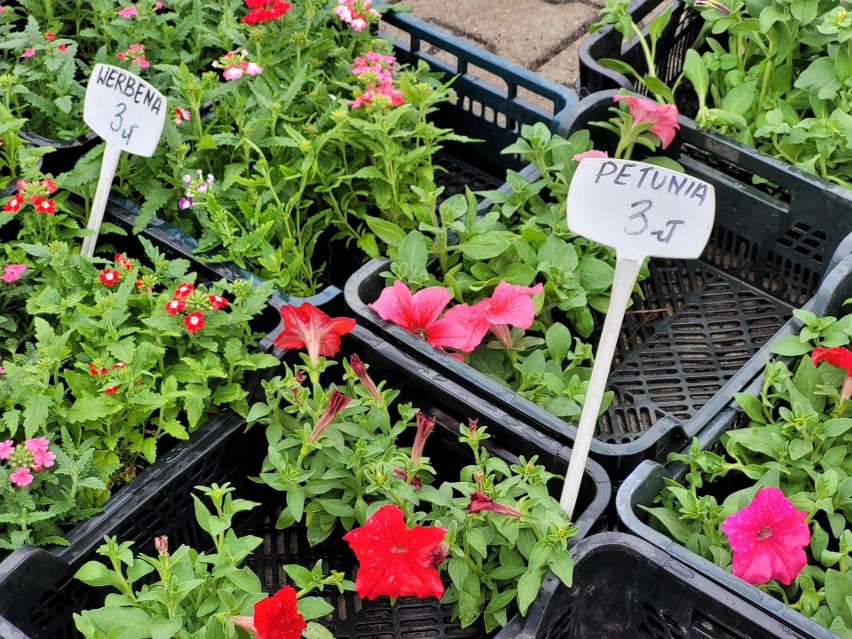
679,35
698,322
38,595
646,482
626,588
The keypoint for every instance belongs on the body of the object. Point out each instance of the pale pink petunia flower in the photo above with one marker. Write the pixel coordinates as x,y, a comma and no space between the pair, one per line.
129,12
28,53
21,477
591,153
12,272
6,449
663,116
768,538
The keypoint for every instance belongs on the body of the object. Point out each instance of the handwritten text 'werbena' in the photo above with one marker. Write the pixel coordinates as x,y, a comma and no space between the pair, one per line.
131,87
650,177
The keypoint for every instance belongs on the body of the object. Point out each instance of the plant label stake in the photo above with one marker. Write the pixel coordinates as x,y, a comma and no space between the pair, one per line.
128,113
641,210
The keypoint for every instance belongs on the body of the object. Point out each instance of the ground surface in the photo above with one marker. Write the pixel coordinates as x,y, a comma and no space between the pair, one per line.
542,36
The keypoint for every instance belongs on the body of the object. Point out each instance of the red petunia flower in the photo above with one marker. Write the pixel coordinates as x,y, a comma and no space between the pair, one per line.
175,306
194,321
276,617
184,289
108,276
841,357
395,560
218,302
43,204
265,10
308,327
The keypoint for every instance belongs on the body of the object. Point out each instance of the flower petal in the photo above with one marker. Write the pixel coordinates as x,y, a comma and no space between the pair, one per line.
511,304
462,328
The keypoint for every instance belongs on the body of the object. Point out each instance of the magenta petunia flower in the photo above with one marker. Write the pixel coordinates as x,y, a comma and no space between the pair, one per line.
768,538
129,12
663,116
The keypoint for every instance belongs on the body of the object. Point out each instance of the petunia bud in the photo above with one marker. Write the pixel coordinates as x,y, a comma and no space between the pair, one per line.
244,621
425,426
337,401
402,474
504,335
440,554
471,426
479,501
479,478
361,371
162,545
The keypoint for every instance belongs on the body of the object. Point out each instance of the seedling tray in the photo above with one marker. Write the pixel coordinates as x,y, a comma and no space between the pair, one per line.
646,482
696,322
38,595
625,588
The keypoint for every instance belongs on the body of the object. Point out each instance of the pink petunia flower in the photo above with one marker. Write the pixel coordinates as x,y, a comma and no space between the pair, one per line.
663,116
838,356
509,305
21,477
591,153
419,314
129,12
28,53
768,538
6,448
12,272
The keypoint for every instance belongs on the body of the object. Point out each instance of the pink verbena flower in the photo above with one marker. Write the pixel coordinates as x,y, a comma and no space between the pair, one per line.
663,116
358,14
591,153
232,73
12,272
129,12
768,538
136,54
37,444
43,459
419,314
182,115
21,477
6,448
28,53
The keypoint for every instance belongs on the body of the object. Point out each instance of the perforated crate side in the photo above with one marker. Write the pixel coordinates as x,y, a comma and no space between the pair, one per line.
494,97
625,588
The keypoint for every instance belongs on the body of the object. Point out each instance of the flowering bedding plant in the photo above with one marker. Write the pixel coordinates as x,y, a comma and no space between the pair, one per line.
337,452
198,594
106,362
774,75
774,503
515,271
350,137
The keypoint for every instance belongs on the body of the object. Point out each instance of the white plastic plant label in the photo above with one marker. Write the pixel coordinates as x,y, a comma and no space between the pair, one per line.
129,114
124,109
641,209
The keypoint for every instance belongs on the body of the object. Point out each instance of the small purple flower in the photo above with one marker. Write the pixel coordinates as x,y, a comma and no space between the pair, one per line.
185,203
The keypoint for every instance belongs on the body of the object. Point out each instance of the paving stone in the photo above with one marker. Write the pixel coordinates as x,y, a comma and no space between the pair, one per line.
564,67
529,33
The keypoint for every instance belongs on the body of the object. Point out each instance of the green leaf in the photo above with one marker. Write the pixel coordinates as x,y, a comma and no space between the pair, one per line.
558,340
560,562
388,232
162,628
819,79
670,521
296,501
484,246
751,406
95,573
316,631
528,586
314,607
457,568
791,346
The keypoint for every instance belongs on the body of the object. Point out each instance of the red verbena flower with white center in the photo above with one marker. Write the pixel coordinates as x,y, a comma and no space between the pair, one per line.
109,276
194,321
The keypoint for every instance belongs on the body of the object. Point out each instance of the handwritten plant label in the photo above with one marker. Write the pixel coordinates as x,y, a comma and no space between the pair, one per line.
128,113
641,209
124,109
